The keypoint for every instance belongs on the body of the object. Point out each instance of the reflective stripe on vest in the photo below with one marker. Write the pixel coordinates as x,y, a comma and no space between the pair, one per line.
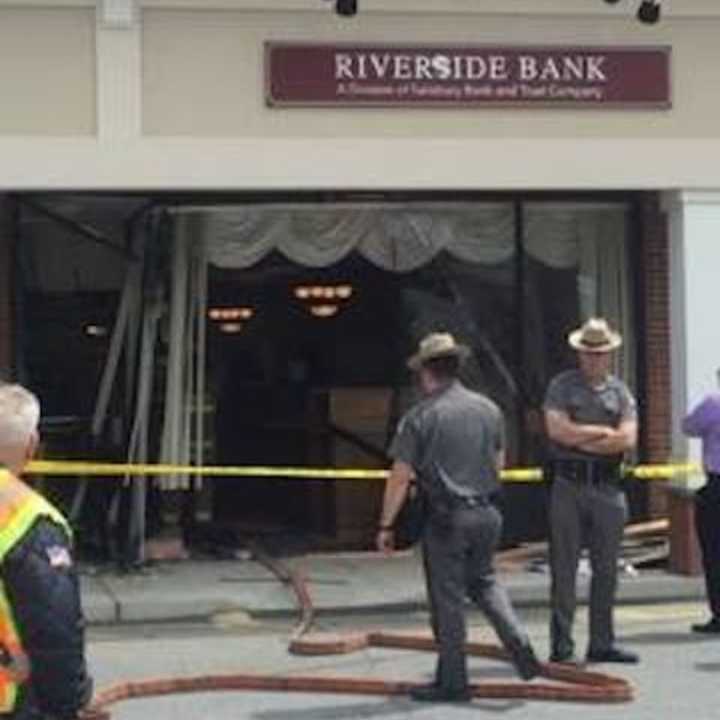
20,507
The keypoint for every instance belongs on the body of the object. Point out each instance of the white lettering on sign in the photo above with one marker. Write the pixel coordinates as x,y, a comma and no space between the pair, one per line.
392,66
380,64
584,68
424,68
343,66
403,68
524,68
594,69
498,68
528,67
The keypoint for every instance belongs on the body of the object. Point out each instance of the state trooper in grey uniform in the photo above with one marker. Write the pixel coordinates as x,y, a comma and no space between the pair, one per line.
591,422
452,442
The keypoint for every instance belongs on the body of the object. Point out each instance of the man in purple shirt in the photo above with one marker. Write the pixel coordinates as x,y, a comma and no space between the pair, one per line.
704,423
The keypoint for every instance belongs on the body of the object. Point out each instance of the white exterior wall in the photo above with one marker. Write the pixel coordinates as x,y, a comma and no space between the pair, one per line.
47,71
695,328
179,102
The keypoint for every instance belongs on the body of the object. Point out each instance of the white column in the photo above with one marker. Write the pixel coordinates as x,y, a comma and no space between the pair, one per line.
694,229
119,70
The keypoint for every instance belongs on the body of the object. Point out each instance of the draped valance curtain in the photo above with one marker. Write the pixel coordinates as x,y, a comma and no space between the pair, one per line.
396,239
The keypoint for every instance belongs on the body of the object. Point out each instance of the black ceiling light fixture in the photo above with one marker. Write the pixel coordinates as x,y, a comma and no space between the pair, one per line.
649,12
346,8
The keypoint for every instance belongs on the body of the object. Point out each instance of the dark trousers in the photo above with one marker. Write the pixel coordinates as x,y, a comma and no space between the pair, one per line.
457,554
25,712
707,525
593,515
26,708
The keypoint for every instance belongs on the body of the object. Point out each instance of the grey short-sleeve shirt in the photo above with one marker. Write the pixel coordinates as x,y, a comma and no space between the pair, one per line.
452,437
610,404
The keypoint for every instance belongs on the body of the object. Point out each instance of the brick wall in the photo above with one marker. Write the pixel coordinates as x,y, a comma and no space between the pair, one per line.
6,285
654,261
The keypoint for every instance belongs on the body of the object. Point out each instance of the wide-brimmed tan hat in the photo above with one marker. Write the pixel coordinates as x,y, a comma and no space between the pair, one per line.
595,336
436,345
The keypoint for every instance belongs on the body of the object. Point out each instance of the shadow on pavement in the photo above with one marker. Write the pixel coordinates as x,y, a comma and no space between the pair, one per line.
375,710
342,712
708,666
660,638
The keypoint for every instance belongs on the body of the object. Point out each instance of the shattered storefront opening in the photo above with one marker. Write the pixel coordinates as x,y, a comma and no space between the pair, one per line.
276,334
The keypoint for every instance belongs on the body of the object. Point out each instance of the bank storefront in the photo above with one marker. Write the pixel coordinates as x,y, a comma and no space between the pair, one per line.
228,223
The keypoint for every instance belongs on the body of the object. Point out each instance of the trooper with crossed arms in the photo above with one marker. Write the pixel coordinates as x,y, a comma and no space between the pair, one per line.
591,422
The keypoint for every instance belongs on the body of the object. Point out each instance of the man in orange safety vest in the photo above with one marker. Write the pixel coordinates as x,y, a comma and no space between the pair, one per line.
43,672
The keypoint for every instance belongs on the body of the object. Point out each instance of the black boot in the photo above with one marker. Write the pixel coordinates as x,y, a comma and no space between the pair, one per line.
526,662
612,655
711,627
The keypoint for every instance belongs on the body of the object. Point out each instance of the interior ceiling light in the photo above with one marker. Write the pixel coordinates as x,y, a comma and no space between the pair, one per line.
326,292
95,330
231,328
324,301
231,313
324,311
649,12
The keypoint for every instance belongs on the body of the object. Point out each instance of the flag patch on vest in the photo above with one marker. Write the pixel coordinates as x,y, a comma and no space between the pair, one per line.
59,556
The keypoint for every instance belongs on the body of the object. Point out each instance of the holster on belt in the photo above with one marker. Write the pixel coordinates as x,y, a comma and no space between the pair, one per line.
413,514
548,472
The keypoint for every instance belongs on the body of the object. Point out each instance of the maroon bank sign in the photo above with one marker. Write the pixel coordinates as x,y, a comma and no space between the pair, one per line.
378,75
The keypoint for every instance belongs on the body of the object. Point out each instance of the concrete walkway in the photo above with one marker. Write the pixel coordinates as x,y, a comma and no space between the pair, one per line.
337,583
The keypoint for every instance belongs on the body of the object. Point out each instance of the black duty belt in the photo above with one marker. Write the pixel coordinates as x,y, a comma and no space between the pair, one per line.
593,472
470,501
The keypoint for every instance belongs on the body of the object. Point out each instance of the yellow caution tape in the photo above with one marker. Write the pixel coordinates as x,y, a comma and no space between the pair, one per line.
69,467
665,472
522,475
639,472
113,470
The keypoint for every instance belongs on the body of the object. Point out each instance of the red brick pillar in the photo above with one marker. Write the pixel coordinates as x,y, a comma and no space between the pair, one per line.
654,259
6,289
676,503
685,553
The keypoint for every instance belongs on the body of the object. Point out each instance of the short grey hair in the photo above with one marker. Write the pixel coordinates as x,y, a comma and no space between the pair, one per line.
19,414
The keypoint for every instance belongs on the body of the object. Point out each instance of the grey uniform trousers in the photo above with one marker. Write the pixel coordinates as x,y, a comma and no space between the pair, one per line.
457,557
592,515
